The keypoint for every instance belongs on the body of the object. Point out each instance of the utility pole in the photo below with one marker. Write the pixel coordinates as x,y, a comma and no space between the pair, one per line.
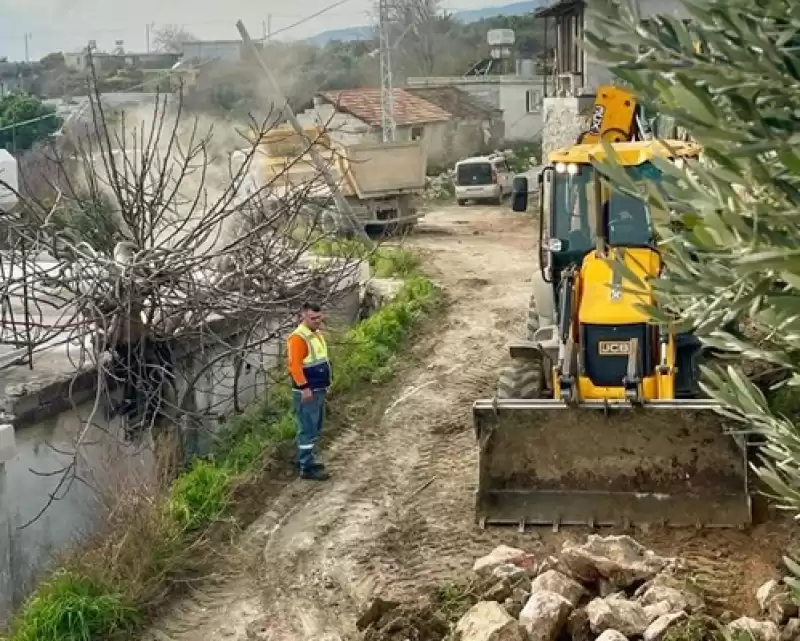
388,126
148,31
28,37
347,220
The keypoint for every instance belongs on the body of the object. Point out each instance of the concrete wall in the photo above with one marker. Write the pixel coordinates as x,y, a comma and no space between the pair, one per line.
507,93
52,408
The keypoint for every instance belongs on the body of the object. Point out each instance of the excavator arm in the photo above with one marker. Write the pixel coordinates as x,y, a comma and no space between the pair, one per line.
616,117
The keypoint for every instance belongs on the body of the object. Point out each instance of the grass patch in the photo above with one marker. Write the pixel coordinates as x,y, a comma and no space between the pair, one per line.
385,262
114,585
68,607
452,601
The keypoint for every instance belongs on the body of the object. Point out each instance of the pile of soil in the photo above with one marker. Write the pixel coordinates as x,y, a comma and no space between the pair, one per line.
387,621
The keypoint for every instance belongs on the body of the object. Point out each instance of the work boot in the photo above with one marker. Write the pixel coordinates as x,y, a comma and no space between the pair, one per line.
314,466
315,474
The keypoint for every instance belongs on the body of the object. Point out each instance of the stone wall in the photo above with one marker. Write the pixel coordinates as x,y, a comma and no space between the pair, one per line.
564,118
54,407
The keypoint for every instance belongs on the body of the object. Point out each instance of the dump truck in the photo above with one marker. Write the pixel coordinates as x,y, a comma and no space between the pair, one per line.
598,418
380,181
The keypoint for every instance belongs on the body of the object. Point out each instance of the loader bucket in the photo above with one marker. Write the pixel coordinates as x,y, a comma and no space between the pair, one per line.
609,464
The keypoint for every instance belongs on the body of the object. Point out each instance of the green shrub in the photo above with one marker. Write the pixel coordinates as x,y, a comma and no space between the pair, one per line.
200,496
368,350
74,608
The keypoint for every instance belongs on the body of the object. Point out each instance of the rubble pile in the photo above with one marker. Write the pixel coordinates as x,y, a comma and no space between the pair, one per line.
441,187
605,589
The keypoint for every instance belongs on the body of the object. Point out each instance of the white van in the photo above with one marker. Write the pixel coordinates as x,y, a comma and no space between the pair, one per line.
483,178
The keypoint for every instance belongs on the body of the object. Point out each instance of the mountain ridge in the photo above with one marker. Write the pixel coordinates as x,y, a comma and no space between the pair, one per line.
349,34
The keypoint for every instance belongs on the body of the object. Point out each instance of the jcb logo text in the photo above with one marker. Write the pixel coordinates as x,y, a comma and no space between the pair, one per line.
614,348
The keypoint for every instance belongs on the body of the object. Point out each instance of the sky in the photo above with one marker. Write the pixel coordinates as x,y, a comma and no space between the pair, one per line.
67,25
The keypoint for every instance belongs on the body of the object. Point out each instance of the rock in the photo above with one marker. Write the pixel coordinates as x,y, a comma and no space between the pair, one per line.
759,630
501,555
677,599
791,631
509,571
615,613
726,616
578,626
499,591
544,615
517,576
656,610
612,635
374,611
618,559
550,563
655,631
488,621
606,588
520,595
513,607
775,600
554,581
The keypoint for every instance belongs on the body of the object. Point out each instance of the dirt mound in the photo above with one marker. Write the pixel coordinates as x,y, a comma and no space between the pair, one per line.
405,623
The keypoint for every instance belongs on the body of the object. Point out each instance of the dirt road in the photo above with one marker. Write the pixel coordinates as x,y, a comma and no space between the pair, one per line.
398,510
397,514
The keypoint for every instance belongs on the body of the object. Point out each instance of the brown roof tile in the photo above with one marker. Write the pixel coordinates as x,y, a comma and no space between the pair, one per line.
454,101
365,104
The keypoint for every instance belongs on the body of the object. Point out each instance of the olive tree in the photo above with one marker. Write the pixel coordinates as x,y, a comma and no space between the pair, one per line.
728,223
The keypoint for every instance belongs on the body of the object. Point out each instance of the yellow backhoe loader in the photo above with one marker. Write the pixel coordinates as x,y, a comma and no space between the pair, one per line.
598,419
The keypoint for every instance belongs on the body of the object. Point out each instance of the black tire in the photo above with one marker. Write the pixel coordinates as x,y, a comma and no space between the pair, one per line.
522,378
462,202
525,378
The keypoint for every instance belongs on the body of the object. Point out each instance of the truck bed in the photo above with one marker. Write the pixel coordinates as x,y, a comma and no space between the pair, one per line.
380,169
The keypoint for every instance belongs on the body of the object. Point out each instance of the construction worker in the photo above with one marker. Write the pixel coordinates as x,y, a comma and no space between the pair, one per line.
310,372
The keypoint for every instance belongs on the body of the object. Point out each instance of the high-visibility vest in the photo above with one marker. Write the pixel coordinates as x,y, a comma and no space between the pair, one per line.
316,366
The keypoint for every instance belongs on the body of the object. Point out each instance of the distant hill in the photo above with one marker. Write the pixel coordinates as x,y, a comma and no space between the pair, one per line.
473,15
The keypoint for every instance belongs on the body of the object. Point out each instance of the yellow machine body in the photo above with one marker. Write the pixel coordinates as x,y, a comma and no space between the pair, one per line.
600,420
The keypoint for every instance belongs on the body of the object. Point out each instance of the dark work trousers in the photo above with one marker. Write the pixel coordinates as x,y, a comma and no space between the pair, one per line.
310,416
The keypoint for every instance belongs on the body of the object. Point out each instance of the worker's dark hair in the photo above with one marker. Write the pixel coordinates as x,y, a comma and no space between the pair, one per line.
311,307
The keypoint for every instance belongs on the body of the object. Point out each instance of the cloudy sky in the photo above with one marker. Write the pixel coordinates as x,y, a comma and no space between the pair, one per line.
66,25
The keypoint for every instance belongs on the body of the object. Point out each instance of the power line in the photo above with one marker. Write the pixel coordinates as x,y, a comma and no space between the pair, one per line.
311,17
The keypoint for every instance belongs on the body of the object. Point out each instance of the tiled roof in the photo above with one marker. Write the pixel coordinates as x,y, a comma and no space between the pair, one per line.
365,104
454,101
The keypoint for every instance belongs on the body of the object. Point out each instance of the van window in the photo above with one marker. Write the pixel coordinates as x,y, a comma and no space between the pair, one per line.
474,173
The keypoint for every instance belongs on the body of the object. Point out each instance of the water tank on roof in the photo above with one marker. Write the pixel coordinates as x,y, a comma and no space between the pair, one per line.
9,180
526,67
500,37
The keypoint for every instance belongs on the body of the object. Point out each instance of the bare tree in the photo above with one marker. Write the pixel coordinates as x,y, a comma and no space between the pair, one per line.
416,30
197,245
170,37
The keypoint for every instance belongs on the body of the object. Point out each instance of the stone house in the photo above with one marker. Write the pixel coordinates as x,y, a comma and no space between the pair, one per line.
450,123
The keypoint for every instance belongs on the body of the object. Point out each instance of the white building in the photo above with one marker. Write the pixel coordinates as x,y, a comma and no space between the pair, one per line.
518,97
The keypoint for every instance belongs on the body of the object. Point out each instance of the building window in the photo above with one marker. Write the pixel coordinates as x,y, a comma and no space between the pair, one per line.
416,133
533,100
